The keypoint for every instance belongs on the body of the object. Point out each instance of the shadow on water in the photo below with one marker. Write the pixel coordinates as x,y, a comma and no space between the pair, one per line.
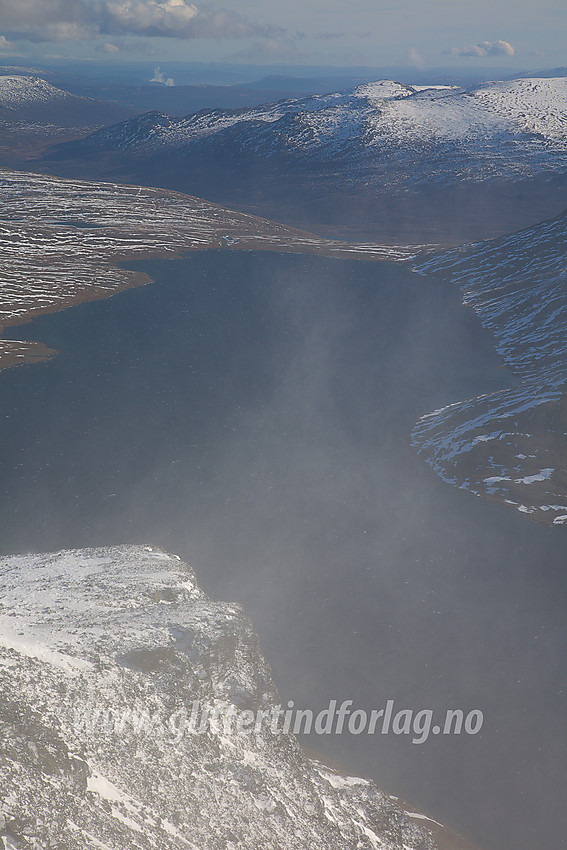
252,413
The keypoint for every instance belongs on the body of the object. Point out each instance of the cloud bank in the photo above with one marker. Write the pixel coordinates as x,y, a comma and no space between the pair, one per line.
67,20
485,48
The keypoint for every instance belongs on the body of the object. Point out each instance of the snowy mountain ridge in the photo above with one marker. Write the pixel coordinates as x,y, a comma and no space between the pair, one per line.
500,128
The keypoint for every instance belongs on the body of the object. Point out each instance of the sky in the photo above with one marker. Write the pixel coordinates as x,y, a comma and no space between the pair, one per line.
507,33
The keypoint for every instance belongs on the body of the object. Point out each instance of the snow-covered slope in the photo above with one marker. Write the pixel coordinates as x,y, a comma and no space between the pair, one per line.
391,132
103,654
511,445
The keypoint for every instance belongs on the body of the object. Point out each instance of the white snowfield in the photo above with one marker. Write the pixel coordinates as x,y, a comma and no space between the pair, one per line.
95,674
536,105
61,239
510,445
517,108
439,133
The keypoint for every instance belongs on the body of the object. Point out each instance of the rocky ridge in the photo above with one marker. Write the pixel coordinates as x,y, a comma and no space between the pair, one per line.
101,651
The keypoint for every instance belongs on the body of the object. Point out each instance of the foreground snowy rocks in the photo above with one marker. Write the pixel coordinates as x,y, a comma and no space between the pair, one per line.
101,653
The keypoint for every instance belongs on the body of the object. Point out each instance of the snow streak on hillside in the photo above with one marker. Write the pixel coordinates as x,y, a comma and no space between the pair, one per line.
61,240
103,653
511,445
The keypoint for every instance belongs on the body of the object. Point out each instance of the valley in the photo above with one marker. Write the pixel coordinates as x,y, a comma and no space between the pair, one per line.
313,344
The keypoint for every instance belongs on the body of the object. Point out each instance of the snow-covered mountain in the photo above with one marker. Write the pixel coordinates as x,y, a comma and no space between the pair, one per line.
511,445
506,129
104,654
393,160
33,100
17,92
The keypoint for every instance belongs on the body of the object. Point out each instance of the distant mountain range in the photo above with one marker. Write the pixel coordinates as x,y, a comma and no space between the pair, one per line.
383,154
514,129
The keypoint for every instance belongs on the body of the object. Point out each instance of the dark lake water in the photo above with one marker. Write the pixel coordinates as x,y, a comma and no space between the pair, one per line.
252,412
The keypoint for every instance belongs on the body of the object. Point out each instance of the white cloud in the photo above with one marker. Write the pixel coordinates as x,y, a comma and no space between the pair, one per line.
69,20
108,48
485,48
5,44
147,17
